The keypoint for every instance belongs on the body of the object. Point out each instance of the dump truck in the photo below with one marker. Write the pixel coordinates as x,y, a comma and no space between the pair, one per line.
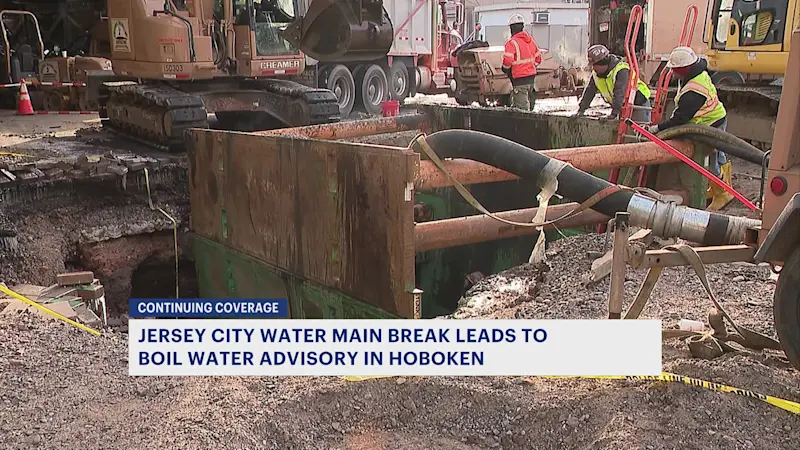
175,62
419,59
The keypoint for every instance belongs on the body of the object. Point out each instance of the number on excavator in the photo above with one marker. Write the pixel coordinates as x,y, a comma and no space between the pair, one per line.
173,67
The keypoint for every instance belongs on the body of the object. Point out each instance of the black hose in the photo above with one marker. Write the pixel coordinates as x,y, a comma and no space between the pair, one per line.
716,138
524,162
573,184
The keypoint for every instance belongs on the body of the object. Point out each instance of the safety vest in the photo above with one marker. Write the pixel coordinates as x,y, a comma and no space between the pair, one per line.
521,56
606,85
713,109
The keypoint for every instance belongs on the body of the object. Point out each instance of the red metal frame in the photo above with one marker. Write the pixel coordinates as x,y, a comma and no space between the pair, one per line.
664,78
634,22
666,75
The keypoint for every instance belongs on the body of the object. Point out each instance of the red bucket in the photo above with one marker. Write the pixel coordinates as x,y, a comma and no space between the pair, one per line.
390,108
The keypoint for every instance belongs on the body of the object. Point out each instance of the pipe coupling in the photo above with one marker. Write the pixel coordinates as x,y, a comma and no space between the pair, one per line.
669,220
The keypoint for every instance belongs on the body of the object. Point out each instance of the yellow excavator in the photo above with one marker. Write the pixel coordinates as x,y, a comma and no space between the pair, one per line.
748,44
176,61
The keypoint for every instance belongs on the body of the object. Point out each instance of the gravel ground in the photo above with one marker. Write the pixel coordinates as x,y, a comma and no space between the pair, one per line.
61,388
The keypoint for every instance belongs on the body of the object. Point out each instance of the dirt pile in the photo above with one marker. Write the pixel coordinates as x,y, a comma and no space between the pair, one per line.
63,388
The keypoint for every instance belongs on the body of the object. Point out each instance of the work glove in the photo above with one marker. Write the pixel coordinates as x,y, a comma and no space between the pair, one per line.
652,129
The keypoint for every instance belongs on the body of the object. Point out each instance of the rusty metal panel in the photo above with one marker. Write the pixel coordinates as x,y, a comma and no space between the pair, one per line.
537,131
336,213
206,183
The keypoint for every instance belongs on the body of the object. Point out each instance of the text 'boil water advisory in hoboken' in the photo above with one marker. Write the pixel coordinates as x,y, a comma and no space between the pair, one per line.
206,343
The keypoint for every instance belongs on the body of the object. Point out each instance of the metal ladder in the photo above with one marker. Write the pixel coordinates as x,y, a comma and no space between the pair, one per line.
628,106
662,87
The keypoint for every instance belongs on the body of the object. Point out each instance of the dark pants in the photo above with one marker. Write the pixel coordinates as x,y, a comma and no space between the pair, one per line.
523,97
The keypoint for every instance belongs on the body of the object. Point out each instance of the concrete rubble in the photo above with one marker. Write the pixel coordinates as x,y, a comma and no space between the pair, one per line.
77,167
78,296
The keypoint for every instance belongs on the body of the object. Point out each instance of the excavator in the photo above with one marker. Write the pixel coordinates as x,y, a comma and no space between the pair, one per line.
748,44
177,61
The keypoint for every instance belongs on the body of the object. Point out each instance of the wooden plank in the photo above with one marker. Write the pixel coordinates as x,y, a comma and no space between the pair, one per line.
336,213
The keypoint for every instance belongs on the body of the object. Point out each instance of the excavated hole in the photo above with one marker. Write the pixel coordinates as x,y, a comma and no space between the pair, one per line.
155,278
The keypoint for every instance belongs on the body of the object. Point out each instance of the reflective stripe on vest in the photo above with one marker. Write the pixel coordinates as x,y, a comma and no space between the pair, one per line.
712,110
606,85
521,67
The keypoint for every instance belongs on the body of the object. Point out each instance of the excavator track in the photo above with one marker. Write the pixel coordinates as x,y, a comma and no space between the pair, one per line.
158,114
155,114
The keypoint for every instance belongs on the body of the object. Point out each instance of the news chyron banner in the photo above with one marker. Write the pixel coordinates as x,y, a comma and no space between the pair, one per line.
239,337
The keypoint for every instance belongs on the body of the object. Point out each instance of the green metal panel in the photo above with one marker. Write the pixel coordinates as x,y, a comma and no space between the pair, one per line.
224,272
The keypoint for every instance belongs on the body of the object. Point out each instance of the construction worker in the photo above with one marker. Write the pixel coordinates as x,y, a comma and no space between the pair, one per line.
520,59
610,77
697,102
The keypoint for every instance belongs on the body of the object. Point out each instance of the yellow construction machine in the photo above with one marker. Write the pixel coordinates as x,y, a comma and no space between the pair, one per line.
177,61
748,44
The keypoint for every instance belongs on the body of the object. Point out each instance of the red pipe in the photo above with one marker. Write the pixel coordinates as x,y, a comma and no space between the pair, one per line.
692,164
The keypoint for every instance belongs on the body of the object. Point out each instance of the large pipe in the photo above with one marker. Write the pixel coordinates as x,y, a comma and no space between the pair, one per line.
480,228
665,219
354,128
587,159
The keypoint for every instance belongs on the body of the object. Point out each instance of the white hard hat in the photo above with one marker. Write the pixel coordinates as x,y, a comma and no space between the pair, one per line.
682,57
516,18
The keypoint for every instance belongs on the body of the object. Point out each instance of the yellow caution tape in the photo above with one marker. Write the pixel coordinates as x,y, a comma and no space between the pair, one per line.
792,407
49,311
20,155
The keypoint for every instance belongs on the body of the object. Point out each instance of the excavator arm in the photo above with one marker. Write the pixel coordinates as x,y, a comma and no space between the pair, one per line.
342,30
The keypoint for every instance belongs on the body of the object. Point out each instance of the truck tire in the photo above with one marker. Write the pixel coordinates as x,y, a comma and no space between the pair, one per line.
373,88
727,78
786,308
399,86
340,81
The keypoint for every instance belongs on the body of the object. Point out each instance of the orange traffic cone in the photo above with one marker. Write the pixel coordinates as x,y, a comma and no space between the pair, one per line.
25,108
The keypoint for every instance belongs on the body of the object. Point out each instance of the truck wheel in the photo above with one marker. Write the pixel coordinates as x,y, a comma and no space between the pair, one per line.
374,88
340,81
727,78
786,308
398,81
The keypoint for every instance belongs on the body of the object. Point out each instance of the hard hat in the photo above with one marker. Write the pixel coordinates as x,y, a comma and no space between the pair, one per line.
516,18
597,53
682,57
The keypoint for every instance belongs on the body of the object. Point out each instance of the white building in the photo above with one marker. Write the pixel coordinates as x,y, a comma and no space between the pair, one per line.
560,27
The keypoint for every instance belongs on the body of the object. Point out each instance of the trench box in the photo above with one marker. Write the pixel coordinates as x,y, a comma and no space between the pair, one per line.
330,224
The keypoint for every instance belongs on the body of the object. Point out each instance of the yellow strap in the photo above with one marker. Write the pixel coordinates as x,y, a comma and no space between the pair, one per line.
49,311
19,155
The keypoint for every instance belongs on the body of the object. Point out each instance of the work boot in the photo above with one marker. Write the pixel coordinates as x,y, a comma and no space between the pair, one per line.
719,196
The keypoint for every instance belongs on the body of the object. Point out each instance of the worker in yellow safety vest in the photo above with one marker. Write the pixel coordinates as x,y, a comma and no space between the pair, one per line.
697,103
610,78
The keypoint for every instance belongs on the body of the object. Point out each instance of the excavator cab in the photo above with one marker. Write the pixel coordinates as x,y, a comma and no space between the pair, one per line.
751,36
342,30
21,46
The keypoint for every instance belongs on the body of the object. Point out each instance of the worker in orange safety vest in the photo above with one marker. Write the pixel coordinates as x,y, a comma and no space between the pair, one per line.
520,59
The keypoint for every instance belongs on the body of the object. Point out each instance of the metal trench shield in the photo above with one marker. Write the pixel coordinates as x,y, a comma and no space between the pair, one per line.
328,225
